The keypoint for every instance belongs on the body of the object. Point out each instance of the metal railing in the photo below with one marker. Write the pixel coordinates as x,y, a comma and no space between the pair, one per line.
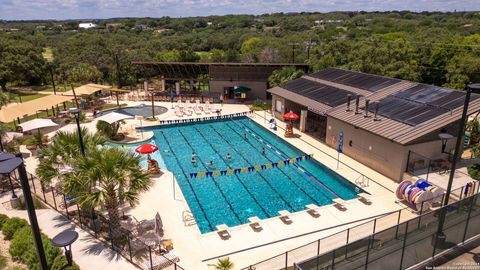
346,238
121,240
404,245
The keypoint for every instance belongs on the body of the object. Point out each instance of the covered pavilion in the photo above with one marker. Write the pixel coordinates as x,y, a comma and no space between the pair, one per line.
16,111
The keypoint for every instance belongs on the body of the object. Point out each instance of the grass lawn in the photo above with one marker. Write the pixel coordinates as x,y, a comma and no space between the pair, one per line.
26,97
59,87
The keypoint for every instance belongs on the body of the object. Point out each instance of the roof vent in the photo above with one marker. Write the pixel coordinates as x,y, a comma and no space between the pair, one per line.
357,103
349,99
367,101
375,118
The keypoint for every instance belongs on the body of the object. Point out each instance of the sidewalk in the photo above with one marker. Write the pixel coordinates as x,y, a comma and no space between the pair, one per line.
88,252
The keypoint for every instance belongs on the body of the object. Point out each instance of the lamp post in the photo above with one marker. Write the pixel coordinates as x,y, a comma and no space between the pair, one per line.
76,111
65,240
444,137
439,237
9,163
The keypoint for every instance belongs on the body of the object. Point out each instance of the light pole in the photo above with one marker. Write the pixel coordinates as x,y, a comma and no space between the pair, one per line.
76,111
439,237
9,163
65,240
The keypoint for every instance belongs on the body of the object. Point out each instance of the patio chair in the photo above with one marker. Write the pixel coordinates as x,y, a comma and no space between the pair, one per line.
188,104
222,231
339,204
208,107
284,217
197,110
255,224
312,209
178,112
364,198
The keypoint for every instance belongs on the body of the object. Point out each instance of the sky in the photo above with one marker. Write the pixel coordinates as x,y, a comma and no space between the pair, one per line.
87,9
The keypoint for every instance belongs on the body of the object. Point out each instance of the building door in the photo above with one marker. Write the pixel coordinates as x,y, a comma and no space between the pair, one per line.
316,126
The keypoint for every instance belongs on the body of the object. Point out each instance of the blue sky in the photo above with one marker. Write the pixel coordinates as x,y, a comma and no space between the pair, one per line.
77,9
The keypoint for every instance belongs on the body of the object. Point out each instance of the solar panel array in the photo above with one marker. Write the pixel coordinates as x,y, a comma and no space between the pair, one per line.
326,94
364,81
420,103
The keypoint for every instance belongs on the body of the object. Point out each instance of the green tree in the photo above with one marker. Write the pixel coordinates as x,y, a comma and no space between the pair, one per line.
84,73
105,178
250,48
223,264
4,99
284,75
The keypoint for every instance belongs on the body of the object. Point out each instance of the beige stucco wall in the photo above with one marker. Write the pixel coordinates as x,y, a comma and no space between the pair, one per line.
259,88
278,114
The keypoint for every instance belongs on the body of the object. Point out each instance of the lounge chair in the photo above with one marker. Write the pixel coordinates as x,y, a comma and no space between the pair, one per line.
339,204
178,112
163,261
188,104
208,107
312,209
197,110
255,223
364,198
222,231
284,217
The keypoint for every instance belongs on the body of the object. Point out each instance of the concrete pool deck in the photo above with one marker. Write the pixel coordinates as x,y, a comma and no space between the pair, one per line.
194,248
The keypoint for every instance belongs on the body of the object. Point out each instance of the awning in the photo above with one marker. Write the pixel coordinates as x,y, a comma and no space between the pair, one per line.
113,117
241,89
12,112
87,89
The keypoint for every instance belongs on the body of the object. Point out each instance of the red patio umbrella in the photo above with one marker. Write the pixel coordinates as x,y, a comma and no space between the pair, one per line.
292,117
146,148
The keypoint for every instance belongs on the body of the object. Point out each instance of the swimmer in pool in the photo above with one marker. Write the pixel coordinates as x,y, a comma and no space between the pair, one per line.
229,157
263,151
211,164
194,161
245,136
194,155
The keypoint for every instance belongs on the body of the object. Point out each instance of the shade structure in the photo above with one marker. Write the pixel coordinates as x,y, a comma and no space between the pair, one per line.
14,111
5,156
37,123
87,89
241,89
11,135
9,165
290,116
113,117
146,148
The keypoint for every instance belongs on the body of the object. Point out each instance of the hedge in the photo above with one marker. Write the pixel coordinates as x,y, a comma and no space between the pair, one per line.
12,225
3,219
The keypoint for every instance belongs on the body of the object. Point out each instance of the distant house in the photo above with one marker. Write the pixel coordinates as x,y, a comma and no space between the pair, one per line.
87,25
40,27
113,25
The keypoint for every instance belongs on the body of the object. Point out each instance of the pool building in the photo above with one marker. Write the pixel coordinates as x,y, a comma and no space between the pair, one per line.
388,124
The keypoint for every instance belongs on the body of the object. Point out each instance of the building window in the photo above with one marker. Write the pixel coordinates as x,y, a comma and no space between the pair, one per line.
278,106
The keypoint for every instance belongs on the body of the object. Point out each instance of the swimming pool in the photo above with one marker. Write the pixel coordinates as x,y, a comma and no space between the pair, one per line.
232,199
145,111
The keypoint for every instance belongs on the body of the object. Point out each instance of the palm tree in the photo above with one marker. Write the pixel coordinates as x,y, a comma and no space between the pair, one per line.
223,264
4,99
63,153
106,177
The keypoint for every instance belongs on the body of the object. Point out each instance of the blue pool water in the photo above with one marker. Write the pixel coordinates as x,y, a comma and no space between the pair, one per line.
232,199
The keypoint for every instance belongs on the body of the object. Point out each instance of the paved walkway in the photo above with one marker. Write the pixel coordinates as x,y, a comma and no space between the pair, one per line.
88,252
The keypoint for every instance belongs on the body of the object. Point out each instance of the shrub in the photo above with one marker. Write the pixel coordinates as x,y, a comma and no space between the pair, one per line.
16,267
3,262
36,202
23,247
61,261
12,225
474,171
3,219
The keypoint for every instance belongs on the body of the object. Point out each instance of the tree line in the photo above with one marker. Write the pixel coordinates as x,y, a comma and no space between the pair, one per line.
434,48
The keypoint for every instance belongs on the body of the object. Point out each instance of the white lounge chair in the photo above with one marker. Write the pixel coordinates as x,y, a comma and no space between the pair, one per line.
284,217
188,104
339,204
208,107
255,223
364,198
222,231
178,112
313,210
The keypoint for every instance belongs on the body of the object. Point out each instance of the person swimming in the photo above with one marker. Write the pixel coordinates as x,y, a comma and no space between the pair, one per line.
263,151
229,157
210,164
194,160
245,136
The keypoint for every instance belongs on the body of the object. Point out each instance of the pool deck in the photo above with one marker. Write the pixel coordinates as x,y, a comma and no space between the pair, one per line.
194,248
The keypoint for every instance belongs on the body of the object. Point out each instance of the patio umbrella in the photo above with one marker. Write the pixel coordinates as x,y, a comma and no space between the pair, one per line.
241,89
146,149
292,117
113,117
158,225
11,135
37,123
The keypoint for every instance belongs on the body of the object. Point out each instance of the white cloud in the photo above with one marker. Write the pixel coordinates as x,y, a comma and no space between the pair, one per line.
74,9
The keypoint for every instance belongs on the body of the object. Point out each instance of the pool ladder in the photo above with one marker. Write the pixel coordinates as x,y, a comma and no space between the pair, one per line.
188,218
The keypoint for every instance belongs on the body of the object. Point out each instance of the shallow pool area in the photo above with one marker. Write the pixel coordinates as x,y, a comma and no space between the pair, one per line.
145,110
232,198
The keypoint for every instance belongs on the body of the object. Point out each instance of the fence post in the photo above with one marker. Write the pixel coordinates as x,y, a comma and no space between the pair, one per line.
318,252
43,192
404,244
461,193
129,246
33,183
346,245
150,254
333,259
428,169
370,243
398,222
53,196
79,216
286,260
420,217
468,218
374,228
66,206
